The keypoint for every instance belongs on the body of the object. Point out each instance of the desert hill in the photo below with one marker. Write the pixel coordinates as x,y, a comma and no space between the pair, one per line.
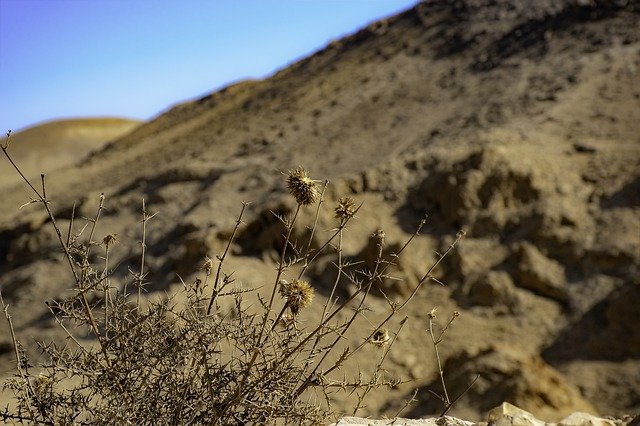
48,146
516,121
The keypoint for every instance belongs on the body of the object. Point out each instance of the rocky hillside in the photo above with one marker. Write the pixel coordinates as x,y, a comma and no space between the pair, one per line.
516,121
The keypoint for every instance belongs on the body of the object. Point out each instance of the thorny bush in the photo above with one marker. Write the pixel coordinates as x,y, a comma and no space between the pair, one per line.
190,362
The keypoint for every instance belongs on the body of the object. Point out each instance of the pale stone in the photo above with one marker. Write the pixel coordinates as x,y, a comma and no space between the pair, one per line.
584,419
510,415
435,421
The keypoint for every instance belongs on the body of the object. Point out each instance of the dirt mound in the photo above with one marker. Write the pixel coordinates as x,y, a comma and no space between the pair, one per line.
46,147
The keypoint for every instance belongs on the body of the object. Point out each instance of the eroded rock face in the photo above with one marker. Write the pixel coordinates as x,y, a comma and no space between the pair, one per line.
492,192
609,330
506,374
540,274
494,289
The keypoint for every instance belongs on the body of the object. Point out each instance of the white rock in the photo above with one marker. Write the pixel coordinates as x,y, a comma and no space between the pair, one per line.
510,415
442,421
584,419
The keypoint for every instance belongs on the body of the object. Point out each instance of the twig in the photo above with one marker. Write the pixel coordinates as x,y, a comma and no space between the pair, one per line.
222,258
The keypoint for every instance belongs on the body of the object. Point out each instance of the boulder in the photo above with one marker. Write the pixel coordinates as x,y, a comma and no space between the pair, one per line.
505,374
494,289
540,274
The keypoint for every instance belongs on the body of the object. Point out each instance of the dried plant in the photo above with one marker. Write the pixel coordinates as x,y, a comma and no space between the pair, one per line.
444,397
191,362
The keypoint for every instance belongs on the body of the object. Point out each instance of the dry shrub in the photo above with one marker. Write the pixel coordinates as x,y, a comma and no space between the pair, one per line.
191,362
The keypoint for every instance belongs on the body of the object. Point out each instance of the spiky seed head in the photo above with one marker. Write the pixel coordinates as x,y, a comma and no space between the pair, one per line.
432,313
380,337
379,236
297,293
346,208
208,264
110,239
303,188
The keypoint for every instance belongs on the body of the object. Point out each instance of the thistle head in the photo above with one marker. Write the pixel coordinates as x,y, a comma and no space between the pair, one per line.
346,208
297,293
379,236
380,337
302,187
432,313
110,240
208,264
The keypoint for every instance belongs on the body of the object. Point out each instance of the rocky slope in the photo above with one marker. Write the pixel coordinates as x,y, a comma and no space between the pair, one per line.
518,121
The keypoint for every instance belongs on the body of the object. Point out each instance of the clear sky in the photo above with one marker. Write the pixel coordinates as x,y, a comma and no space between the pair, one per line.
135,58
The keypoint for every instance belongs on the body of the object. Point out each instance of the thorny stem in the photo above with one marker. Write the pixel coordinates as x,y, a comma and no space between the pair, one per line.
473,382
313,229
378,366
265,318
95,223
73,215
216,282
319,251
333,289
367,287
447,401
143,245
21,372
107,296
65,248
281,268
394,310
436,342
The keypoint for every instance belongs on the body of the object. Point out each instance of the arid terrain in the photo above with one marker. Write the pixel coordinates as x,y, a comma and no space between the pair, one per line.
45,147
516,121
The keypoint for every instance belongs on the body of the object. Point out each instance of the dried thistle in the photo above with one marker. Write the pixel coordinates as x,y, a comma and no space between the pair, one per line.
380,337
379,236
346,208
110,239
303,188
208,264
298,294
432,313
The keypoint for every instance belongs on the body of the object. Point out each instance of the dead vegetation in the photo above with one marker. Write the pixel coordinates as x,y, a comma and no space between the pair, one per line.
185,359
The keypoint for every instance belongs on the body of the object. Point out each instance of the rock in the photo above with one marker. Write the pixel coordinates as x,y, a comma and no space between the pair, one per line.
503,415
506,374
584,419
540,274
608,330
442,421
475,257
494,289
510,415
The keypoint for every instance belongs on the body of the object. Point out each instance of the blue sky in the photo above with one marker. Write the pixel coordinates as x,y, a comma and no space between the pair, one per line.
135,58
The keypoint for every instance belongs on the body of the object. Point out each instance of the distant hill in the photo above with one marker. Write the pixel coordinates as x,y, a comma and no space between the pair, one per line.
55,144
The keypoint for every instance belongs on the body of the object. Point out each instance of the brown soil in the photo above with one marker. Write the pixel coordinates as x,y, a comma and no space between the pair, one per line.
517,121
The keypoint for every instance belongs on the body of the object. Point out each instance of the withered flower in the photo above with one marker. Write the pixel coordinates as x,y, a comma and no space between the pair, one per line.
297,293
302,187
